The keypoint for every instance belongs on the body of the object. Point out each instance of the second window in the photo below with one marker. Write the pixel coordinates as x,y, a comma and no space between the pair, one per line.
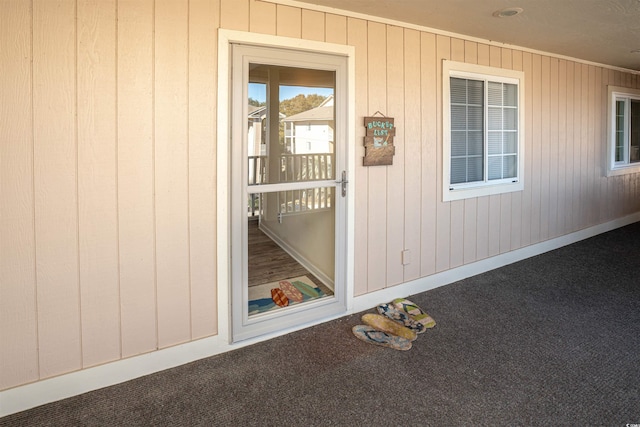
482,132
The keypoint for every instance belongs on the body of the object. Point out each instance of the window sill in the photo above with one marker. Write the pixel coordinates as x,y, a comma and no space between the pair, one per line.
449,195
624,170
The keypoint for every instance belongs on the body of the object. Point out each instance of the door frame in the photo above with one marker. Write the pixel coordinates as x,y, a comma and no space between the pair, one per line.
223,150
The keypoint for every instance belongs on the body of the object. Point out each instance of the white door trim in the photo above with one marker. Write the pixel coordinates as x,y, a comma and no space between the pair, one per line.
225,39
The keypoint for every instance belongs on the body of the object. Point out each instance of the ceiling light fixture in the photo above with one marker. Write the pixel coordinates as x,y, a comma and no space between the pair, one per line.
508,12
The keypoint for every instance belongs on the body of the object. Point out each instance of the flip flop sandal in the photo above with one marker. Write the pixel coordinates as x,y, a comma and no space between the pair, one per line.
400,316
291,291
414,311
373,336
389,326
278,296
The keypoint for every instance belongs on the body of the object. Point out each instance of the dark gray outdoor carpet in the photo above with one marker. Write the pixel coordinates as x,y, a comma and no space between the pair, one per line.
550,341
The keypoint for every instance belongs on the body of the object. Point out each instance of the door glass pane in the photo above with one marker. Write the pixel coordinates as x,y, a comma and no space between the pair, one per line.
291,231
291,249
291,125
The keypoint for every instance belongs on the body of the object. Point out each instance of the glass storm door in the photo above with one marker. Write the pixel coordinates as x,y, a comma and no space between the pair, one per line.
288,191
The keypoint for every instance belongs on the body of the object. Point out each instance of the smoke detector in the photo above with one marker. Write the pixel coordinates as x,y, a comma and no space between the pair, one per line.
508,12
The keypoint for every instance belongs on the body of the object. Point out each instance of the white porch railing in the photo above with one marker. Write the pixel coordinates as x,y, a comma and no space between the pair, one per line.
306,167
294,168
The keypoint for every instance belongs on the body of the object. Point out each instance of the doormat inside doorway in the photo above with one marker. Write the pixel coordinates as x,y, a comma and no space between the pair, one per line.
297,290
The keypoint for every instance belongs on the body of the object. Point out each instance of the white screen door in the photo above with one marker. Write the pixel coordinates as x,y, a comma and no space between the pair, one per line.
288,188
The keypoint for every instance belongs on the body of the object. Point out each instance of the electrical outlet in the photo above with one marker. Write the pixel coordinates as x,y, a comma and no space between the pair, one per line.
406,257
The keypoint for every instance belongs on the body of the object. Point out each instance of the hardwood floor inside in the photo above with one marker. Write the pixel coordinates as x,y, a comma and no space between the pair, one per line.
268,262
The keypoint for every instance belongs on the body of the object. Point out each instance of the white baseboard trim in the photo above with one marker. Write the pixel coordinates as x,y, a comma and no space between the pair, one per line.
433,281
72,384
49,390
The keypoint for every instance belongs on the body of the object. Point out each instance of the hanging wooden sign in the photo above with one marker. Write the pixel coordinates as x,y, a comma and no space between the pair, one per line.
378,142
379,126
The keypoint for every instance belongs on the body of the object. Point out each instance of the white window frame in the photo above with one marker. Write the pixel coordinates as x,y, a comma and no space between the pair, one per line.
623,167
486,187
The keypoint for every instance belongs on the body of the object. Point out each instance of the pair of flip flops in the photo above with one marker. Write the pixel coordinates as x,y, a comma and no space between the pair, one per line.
396,326
293,292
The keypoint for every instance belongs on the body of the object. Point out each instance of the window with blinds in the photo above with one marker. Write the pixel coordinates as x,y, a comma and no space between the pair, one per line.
482,137
467,130
624,134
502,131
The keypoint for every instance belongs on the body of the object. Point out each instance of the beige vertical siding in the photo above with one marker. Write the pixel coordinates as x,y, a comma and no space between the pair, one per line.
526,195
288,21
108,179
97,182
357,37
336,31
18,302
377,190
411,212
553,143
136,197
313,25
56,186
429,161
443,210
517,211
171,173
234,14
395,176
262,17
202,91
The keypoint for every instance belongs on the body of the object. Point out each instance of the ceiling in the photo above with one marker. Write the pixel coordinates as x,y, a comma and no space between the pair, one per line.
600,31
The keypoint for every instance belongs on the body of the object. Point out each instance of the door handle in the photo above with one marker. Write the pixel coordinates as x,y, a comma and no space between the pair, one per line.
343,183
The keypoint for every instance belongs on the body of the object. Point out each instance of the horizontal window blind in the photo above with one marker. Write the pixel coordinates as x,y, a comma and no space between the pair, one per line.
467,130
471,152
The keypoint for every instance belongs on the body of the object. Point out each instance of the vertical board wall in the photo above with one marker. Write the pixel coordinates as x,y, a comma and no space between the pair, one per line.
108,179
